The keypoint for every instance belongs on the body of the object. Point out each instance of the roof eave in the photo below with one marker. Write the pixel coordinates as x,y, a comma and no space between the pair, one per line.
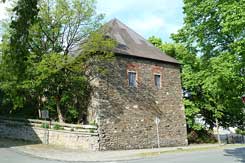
152,59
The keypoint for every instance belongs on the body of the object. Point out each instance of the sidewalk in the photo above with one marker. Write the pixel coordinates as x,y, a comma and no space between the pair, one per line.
64,154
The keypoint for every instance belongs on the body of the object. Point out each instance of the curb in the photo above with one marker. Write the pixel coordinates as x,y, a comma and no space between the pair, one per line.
136,155
22,152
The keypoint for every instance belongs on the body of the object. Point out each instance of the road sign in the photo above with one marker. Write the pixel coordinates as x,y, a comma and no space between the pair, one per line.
44,114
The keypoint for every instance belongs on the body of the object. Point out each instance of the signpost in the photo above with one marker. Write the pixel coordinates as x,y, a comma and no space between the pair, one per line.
157,121
45,116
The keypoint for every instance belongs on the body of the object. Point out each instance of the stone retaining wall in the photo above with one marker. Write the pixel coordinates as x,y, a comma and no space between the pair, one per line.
70,139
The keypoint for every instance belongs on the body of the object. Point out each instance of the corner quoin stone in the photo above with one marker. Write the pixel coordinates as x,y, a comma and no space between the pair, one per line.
125,115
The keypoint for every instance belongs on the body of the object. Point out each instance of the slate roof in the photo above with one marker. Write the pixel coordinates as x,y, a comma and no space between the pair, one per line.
132,44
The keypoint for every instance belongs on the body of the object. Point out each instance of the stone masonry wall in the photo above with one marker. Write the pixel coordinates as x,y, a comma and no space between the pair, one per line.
126,115
68,139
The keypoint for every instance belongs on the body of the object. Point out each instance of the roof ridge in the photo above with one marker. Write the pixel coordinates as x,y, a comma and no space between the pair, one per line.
132,43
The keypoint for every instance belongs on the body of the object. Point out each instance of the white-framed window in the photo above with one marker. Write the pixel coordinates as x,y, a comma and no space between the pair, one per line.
132,77
157,80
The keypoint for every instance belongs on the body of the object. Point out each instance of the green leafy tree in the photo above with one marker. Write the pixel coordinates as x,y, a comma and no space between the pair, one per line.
14,51
214,30
55,66
209,90
189,76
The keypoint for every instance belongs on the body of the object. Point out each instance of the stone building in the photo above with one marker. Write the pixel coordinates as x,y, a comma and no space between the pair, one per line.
142,83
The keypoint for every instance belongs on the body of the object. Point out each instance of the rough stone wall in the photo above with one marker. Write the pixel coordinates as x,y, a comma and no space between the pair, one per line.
76,140
126,115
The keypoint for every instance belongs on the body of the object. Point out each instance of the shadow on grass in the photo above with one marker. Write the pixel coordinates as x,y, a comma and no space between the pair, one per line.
238,153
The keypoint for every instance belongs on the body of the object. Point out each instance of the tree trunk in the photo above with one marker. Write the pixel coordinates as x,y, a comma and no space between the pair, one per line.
58,108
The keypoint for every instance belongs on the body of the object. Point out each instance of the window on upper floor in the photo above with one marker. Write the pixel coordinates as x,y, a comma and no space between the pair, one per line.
132,79
157,80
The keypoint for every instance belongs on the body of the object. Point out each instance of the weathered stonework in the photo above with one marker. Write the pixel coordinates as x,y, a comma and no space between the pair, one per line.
69,139
125,115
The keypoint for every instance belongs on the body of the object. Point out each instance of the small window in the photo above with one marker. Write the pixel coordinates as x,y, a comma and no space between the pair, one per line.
132,79
157,79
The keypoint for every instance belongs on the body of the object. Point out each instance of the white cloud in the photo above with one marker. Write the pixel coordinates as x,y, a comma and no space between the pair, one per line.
111,7
152,25
146,17
147,25
3,10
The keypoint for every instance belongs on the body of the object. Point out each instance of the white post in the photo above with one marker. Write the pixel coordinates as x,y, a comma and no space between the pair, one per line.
157,121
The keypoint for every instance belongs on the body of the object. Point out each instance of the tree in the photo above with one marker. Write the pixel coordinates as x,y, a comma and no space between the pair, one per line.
215,31
189,76
14,50
63,76
25,15
55,65
207,90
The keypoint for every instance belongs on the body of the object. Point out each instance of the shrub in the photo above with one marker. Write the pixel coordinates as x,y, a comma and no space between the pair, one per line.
45,125
58,127
92,123
239,131
91,130
201,136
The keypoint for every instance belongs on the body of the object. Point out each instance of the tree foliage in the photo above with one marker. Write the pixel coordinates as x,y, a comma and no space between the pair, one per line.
60,49
208,90
214,32
189,76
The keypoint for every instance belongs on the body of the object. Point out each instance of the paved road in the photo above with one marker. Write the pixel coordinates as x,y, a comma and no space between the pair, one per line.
231,155
8,155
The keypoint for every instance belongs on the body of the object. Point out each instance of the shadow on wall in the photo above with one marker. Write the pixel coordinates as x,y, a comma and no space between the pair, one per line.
16,133
238,153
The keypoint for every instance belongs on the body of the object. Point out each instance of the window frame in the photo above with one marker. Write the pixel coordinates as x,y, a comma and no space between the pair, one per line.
160,82
136,77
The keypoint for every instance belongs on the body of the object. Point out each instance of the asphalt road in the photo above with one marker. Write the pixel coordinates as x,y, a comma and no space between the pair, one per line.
8,155
230,155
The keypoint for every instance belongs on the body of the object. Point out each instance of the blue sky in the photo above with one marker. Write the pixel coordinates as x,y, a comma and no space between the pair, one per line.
146,17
